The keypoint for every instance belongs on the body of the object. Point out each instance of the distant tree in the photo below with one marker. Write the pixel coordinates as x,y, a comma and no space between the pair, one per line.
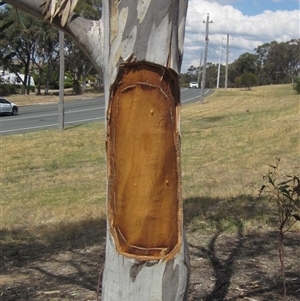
278,62
17,45
273,63
248,80
237,82
30,48
89,9
47,60
211,76
246,63
78,65
186,78
190,76
193,72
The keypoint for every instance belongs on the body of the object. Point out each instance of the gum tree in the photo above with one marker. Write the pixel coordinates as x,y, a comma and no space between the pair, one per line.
139,47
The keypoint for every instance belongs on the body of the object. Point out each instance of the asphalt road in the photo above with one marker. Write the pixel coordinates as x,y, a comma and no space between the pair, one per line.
45,116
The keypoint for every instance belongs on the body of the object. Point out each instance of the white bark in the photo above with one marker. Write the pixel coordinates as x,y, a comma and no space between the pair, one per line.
134,280
131,32
151,31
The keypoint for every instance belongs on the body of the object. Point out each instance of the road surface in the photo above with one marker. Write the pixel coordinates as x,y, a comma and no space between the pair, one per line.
45,116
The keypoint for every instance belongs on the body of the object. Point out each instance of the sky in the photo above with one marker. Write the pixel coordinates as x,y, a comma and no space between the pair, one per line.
249,23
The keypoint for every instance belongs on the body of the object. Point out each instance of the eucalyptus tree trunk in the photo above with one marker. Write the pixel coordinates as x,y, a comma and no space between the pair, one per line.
146,254
140,45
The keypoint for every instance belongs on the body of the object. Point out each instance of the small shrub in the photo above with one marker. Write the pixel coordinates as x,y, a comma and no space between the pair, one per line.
296,85
7,89
285,191
248,80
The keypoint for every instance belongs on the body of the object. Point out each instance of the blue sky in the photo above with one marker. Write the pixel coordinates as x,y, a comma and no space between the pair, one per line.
250,23
252,8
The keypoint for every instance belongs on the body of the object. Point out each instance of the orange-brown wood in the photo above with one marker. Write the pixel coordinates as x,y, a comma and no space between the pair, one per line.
144,198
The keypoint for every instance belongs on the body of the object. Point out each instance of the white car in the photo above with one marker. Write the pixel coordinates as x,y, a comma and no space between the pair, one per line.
194,85
7,107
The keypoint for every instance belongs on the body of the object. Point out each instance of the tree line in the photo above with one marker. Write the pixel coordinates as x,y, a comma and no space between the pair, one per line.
30,47
272,63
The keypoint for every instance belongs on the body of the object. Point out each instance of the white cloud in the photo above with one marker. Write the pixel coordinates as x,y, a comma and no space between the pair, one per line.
246,32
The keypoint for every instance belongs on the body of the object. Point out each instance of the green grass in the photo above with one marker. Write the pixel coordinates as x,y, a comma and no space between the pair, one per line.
54,179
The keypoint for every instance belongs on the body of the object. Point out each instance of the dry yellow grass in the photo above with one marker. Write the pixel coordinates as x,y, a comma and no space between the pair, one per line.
227,145
52,179
231,139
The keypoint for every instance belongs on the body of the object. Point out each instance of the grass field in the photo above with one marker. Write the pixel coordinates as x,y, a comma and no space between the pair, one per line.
52,180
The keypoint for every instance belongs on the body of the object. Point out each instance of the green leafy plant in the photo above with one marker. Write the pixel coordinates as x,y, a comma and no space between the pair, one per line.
296,85
285,191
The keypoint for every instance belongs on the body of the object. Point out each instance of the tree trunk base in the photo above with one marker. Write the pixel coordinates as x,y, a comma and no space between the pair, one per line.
128,279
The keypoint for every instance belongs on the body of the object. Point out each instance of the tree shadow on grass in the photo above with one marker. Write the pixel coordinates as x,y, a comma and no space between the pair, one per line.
230,262
65,263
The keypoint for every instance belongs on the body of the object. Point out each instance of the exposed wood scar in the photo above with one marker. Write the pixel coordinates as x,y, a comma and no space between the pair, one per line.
146,94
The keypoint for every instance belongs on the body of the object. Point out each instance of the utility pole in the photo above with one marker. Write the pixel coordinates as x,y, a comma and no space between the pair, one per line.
219,67
61,109
227,52
199,70
205,59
